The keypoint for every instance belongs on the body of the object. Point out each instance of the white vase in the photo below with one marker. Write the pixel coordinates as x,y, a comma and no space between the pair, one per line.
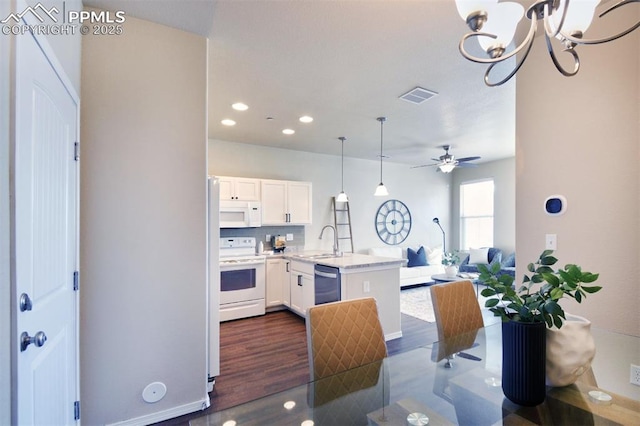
570,350
451,271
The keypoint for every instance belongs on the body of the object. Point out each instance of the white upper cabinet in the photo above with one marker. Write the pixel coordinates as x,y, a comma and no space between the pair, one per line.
286,202
243,189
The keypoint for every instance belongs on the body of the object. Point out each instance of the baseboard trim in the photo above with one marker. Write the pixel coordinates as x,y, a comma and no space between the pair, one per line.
166,414
392,336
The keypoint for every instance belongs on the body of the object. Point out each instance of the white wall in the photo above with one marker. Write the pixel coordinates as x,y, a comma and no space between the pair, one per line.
143,229
425,192
503,173
580,137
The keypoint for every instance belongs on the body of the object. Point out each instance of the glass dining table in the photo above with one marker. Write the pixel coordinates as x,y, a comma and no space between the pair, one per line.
456,381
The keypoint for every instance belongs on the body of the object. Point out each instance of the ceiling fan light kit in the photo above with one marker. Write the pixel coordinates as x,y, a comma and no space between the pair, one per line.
381,190
447,162
494,24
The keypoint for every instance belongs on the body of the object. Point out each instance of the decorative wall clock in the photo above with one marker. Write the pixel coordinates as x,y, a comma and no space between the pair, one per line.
393,222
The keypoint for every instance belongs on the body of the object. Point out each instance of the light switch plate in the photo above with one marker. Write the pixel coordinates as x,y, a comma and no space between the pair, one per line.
551,242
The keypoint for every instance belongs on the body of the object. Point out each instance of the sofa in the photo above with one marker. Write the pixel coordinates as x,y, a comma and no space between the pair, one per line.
492,255
413,275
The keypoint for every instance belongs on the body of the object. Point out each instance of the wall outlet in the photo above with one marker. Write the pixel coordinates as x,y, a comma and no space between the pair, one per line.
289,237
267,238
366,287
634,378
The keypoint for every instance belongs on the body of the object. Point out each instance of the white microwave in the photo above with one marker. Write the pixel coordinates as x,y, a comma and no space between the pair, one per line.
240,214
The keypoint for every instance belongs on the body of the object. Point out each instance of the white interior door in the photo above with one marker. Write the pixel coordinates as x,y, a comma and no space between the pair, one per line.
46,243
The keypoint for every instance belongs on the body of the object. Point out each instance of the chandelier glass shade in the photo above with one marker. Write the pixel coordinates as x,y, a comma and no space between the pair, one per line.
381,190
342,197
494,25
447,167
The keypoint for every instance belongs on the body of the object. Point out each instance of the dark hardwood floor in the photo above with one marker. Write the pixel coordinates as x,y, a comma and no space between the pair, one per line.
267,354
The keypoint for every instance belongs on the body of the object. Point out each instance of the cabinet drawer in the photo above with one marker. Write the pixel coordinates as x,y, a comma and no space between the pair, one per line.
302,267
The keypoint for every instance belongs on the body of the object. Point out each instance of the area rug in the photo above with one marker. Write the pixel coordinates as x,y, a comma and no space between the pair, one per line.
416,301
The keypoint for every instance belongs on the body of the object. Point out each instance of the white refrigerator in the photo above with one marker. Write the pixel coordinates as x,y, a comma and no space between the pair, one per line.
213,279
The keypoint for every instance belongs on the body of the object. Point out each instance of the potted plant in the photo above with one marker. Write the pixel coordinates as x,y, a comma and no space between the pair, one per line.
526,313
450,260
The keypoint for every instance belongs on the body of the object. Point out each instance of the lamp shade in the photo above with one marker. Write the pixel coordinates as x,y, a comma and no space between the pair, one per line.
467,7
447,167
502,20
381,191
579,15
342,197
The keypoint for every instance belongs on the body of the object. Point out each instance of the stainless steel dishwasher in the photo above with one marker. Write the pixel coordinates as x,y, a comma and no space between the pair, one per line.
327,284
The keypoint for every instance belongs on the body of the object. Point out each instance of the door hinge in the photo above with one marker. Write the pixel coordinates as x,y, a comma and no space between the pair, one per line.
76,410
76,151
76,280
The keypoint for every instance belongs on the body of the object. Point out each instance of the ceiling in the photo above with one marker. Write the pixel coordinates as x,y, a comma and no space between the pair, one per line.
344,63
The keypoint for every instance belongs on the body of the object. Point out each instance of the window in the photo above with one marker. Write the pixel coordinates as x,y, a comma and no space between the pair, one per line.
476,214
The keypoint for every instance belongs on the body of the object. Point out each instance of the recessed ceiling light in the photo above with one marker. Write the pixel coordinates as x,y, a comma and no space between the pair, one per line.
306,119
228,122
239,106
288,131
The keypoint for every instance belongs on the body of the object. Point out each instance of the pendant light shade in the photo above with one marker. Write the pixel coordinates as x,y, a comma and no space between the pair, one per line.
342,197
381,190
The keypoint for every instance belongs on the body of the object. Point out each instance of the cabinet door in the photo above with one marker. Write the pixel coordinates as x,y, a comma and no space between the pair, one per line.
247,189
274,202
308,293
296,291
299,203
243,189
275,281
226,188
286,282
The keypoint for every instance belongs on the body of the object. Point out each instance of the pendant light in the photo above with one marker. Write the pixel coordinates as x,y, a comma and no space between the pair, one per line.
342,197
381,190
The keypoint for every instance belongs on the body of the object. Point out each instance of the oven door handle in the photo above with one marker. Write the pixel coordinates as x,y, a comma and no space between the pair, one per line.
234,264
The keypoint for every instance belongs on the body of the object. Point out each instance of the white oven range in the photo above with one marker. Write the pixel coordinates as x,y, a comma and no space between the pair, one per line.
242,279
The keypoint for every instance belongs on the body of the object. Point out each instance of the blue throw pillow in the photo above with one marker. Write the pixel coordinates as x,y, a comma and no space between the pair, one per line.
416,258
510,261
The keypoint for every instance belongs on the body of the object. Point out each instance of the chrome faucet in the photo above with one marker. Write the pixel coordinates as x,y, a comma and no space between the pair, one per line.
336,252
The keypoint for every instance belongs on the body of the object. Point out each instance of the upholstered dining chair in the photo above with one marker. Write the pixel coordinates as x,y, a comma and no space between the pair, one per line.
456,308
457,315
343,335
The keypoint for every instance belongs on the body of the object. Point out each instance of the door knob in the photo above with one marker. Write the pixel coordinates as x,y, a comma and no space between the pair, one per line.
25,340
25,302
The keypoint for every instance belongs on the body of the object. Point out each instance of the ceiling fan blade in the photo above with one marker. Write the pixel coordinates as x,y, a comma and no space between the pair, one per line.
437,159
467,159
466,165
423,165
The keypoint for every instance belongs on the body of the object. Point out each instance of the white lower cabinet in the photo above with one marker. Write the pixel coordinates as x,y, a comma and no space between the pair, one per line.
277,292
301,287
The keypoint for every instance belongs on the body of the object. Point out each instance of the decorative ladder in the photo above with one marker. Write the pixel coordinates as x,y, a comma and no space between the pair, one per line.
342,221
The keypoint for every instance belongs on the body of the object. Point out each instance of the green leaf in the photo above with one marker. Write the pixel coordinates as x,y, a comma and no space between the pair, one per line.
551,279
537,278
544,269
557,321
531,267
546,253
556,294
553,307
548,260
525,279
578,296
588,277
592,289
490,303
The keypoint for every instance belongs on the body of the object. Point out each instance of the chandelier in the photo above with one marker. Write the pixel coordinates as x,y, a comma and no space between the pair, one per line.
494,24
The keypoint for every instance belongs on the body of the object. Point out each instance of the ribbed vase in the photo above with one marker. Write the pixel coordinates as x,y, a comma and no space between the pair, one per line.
523,362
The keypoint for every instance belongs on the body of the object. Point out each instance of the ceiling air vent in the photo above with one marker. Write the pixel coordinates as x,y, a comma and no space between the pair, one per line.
418,95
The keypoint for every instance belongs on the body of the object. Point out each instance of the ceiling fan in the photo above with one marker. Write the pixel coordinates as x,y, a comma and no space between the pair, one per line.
447,162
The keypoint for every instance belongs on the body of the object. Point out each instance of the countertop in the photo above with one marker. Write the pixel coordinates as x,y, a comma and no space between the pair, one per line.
348,261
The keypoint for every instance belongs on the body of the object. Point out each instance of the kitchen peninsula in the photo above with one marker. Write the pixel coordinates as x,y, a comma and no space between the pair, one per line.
361,276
